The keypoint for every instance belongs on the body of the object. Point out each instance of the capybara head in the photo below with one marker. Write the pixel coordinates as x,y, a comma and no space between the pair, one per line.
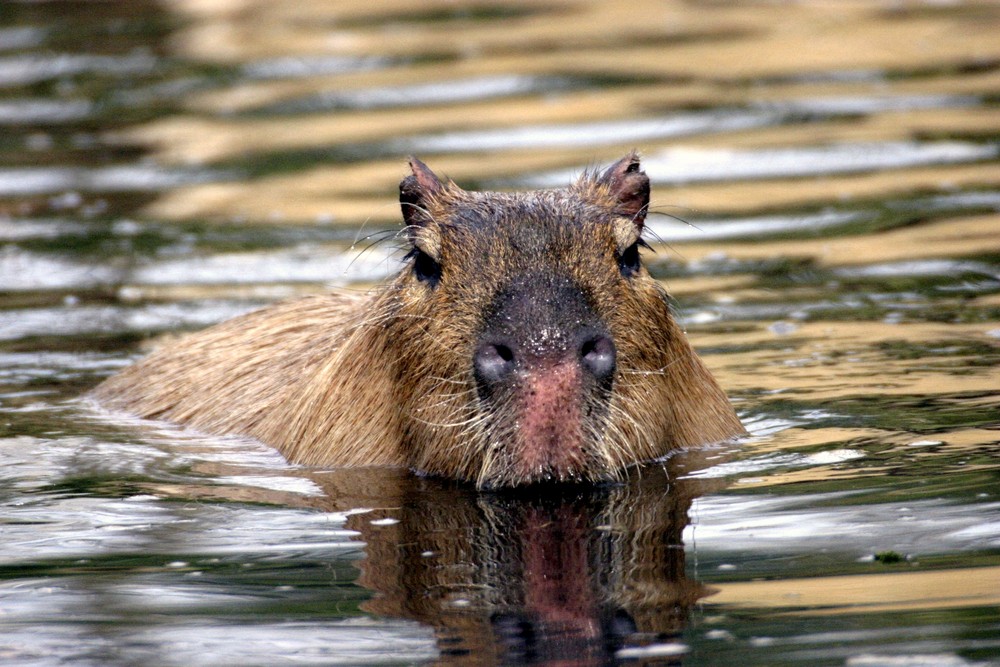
532,343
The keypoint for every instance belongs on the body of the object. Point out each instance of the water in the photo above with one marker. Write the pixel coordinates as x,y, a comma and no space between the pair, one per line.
826,215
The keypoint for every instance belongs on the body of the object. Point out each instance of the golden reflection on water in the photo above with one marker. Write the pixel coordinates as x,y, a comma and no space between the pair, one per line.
712,55
944,238
872,593
782,38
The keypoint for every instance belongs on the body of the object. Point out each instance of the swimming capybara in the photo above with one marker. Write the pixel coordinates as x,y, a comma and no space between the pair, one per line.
522,341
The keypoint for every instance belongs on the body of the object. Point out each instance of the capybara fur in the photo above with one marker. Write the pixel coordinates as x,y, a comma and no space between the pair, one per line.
522,341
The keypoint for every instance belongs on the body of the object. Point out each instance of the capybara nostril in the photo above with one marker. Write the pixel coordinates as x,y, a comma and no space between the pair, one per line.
493,362
598,356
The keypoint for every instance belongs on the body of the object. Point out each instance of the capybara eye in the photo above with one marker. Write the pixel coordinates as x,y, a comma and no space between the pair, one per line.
628,262
425,267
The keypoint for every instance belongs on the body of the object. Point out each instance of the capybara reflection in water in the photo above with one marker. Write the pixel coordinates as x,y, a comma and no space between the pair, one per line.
522,341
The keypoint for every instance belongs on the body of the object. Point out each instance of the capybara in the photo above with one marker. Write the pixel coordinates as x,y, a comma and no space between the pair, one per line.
522,341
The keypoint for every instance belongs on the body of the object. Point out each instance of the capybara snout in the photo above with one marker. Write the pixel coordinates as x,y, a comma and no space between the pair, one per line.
539,321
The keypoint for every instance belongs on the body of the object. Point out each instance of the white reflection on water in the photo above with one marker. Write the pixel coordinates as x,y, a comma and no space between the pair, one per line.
291,265
19,229
344,642
948,202
668,229
57,524
21,270
863,104
683,165
31,111
25,367
23,70
81,320
772,461
126,618
922,267
76,625
26,270
21,37
118,178
434,92
588,134
295,67
762,524
692,165
682,124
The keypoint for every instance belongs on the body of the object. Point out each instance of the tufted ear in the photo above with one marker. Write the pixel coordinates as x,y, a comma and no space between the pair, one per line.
628,187
419,197
417,191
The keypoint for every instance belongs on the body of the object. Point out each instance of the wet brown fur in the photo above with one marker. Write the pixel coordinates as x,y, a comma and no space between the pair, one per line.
386,379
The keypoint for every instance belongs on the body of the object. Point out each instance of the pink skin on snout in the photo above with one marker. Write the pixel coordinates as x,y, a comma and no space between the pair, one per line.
551,437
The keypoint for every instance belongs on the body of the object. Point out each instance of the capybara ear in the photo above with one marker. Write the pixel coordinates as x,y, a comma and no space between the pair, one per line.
628,186
416,191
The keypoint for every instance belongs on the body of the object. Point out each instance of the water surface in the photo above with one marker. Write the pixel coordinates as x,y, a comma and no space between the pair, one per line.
826,215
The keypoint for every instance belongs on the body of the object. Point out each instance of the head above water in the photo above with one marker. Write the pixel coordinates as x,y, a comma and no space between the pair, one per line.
522,342
537,346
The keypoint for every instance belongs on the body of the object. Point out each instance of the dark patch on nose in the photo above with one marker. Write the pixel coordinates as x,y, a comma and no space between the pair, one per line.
540,322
